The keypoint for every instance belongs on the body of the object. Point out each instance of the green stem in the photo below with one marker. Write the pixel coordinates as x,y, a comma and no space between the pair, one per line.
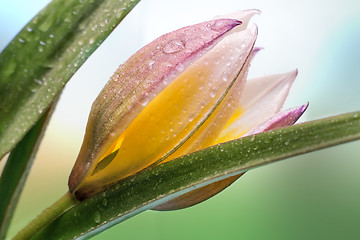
47,216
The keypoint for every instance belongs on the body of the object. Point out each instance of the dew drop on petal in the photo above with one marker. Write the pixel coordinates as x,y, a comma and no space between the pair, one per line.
218,26
213,92
173,46
151,63
191,117
224,77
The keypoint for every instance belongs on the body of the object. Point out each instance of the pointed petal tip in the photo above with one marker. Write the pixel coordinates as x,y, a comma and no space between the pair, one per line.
254,11
240,14
282,119
291,115
290,76
258,11
296,72
303,108
256,50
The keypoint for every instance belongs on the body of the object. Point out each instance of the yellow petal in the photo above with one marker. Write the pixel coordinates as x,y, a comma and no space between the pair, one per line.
210,130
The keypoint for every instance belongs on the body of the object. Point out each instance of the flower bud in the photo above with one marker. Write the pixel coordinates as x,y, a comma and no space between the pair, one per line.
182,92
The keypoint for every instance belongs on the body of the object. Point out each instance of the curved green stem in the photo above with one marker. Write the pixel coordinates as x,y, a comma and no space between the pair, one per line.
47,216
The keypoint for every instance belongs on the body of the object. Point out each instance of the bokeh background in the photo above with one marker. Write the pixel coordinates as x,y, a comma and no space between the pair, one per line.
314,196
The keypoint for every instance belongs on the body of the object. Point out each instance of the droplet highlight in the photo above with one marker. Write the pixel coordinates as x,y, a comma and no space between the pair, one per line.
173,46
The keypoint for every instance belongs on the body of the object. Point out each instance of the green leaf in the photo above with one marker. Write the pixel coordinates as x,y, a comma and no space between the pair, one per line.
17,169
39,61
159,184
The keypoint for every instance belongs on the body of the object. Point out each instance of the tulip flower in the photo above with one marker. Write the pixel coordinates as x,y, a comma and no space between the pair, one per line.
185,91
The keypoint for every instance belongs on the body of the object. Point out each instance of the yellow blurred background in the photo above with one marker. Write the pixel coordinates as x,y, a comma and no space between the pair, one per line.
314,196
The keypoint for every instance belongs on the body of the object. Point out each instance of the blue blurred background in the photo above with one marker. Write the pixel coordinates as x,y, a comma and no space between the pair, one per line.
314,196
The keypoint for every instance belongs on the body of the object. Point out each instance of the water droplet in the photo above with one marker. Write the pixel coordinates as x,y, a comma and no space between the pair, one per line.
267,141
201,86
151,63
191,117
224,77
21,40
92,40
29,29
173,46
213,92
38,81
45,25
104,202
167,64
42,43
94,27
97,217
217,26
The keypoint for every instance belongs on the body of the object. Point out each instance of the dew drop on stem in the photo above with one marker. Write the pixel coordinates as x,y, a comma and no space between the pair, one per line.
97,217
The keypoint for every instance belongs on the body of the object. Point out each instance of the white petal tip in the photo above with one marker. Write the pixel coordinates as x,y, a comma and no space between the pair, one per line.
295,73
240,14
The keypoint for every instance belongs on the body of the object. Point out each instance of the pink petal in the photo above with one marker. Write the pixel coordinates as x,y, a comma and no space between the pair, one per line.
282,119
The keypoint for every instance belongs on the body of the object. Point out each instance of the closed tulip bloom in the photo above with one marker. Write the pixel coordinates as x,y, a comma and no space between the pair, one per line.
185,91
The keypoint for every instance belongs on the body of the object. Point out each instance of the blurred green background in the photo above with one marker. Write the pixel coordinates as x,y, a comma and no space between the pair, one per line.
314,196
